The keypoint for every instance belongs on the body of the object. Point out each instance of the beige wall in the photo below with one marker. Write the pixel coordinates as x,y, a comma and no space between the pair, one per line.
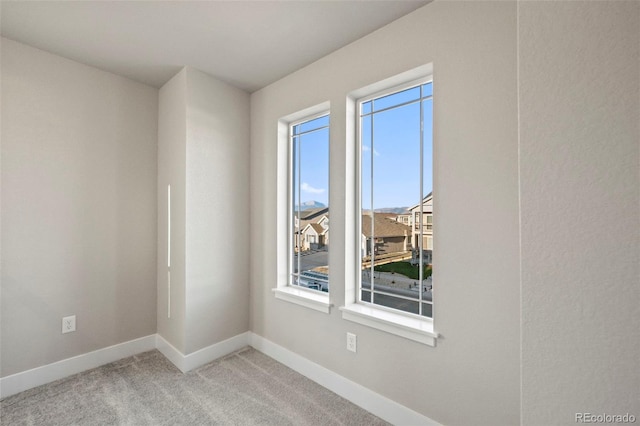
472,376
172,154
78,208
217,209
203,154
580,209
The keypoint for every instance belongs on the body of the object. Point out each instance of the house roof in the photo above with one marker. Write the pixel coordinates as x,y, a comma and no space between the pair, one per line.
310,214
313,216
318,229
426,199
384,226
387,215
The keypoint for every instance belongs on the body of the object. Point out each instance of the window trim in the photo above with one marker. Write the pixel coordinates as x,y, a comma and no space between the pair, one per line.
398,323
403,324
311,299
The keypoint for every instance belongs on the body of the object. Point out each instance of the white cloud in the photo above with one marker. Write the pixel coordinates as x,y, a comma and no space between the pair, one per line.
308,188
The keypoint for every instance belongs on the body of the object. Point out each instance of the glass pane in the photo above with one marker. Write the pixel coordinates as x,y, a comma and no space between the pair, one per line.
366,161
311,125
366,108
410,306
295,171
396,182
427,148
396,159
427,89
366,158
427,170
412,94
427,310
310,186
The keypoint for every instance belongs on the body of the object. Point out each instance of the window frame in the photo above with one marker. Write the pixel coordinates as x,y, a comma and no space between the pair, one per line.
285,289
411,326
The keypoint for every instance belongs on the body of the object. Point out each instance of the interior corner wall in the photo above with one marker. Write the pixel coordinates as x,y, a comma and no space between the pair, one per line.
172,154
580,209
204,156
217,211
473,375
78,208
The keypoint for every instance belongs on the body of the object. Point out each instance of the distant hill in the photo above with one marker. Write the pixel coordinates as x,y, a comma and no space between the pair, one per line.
396,210
311,205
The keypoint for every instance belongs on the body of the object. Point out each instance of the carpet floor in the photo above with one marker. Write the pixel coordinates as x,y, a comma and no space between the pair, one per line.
243,388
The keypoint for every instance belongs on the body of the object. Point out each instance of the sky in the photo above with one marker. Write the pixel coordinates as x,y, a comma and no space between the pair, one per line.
395,154
313,150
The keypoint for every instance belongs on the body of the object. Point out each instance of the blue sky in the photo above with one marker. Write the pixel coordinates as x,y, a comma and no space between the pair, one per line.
396,157
396,154
314,156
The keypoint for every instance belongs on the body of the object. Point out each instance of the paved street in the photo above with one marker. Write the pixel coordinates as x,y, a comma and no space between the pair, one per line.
312,259
402,304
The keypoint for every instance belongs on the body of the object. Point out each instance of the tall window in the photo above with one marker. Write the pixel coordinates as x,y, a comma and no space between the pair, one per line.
396,178
309,203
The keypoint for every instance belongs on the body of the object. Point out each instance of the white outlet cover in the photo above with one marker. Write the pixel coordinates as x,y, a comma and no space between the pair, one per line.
68,324
351,342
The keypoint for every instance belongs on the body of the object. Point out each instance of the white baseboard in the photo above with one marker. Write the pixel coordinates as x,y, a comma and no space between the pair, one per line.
201,357
19,382
373,402
170,352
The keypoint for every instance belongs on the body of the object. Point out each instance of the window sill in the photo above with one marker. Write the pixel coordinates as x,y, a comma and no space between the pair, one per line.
419,330
307,298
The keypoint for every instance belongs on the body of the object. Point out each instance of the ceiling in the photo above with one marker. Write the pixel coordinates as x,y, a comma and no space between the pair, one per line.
248,44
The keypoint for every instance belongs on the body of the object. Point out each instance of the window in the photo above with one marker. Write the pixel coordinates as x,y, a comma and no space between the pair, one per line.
309,186
396,173
427,220
303,209
394,158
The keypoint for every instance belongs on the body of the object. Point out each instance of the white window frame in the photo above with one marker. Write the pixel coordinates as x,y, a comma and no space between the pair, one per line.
284,290
407,325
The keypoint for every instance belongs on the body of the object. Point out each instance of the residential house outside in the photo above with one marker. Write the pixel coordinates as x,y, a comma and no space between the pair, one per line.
390,235
404,218
427,228
317,216
315,236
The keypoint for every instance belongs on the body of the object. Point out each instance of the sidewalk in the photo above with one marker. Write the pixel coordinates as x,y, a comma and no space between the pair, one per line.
395,280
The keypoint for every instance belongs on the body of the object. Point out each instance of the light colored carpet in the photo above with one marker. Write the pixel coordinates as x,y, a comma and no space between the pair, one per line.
244,388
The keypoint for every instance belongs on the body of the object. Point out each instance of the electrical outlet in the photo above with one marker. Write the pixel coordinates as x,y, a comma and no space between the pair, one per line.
351,342
68,324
